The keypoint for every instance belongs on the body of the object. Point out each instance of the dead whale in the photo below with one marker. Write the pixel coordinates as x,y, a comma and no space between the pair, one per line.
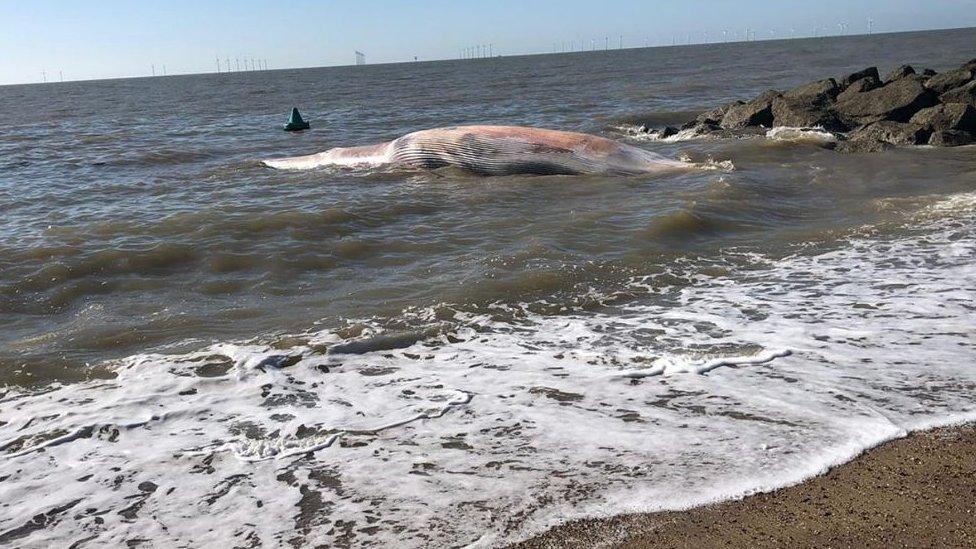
495,150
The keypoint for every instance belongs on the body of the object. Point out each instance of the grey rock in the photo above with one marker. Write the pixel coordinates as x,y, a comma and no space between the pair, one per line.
896,133
804,114
899,73
867,83
805,106
718,132
870,72
668,131
949,80
897,101
661,133
863,146
821,92
903,109
963,94
950,138
758,112
698,128
713,116
948,116
702,128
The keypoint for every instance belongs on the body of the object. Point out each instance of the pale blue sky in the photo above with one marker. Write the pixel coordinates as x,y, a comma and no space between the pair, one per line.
117,38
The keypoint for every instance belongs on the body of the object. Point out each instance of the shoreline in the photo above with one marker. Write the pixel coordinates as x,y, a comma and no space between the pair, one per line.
919,490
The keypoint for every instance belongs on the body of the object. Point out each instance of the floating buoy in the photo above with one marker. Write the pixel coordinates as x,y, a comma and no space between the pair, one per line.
296,122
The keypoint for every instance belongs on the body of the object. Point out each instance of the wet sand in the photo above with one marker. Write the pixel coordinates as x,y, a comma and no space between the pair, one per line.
919,491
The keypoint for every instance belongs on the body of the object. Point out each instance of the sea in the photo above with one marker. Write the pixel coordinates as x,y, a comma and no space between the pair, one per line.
197,350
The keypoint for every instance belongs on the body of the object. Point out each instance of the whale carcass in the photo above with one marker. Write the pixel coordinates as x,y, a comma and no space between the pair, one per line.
495,150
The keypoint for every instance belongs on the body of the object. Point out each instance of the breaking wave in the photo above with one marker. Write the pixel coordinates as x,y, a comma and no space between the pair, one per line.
485,426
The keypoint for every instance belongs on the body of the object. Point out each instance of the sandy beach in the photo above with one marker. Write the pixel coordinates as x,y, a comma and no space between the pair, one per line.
919,491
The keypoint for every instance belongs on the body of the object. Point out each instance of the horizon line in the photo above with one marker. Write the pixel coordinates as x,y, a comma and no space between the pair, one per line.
496,56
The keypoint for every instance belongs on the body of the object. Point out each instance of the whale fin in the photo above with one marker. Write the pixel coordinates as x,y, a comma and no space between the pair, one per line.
365,156
307,162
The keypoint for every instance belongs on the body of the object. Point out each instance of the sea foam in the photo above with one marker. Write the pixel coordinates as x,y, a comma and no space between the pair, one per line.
510,421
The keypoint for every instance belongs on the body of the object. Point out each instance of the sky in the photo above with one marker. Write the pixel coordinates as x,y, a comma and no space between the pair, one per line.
92,39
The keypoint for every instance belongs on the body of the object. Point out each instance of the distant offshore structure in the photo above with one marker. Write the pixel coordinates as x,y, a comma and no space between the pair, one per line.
486,51
250,65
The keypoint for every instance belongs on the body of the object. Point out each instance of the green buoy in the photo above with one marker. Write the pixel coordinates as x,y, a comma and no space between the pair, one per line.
296,122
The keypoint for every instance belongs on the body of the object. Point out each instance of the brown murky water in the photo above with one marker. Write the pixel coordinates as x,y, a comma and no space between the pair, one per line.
136,217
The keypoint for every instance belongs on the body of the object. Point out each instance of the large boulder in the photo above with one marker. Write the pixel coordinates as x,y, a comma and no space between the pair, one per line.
665,132
870,72
899,73
758,112
897,101
867,83
951,80
964,94
950,138
795,113
970,65
713,116
896,133
711,130
948,116
806,106
820,92
882,136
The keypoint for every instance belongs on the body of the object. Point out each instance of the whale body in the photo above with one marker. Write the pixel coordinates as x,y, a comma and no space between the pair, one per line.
495,150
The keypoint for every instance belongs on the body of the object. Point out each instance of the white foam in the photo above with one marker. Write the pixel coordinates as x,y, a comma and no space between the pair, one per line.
710,163
816,135
640,133
514,421
678,365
